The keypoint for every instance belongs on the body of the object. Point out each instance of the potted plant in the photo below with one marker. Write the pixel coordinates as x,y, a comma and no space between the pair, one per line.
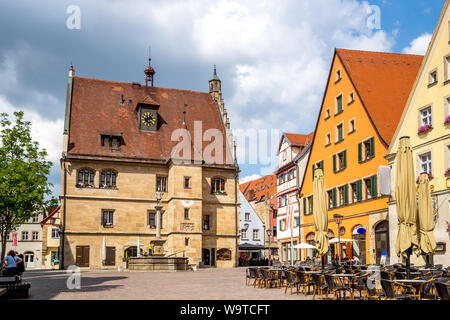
425,128
447,172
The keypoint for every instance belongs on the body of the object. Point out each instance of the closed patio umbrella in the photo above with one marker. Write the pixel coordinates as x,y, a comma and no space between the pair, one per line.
426,222
405,195
138,254
320,214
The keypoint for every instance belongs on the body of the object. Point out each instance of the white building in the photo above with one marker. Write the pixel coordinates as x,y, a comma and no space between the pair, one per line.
252,230
29,242
291,158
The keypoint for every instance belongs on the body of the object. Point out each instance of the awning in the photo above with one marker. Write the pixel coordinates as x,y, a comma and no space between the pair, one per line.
250,247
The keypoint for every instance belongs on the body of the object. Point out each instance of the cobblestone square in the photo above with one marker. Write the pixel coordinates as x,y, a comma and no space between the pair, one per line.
203,284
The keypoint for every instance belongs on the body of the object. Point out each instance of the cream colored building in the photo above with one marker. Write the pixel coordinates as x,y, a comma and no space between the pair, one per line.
120,145
51,238
427,109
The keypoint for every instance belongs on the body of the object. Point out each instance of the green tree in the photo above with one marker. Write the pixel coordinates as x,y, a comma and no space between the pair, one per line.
23,176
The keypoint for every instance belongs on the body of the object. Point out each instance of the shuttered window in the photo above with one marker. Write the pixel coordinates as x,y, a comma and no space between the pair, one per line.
346,194
339,104
374,187
366,150
359,190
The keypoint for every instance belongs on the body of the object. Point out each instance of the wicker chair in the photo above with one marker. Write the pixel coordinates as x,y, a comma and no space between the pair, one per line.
442,290
291,281
319,286
336,289
304,282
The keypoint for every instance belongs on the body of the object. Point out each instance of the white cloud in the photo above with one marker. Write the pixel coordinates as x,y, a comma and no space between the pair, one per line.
249,178
419,45
47,132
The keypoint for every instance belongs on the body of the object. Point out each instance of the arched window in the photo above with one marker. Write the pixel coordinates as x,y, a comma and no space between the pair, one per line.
217,185
108,179
85,178
224,254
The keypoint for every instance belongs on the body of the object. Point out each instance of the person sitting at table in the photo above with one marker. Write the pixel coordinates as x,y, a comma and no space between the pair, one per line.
356,261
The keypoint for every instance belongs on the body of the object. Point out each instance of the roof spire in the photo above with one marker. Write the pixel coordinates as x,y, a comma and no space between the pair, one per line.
149,71
214,76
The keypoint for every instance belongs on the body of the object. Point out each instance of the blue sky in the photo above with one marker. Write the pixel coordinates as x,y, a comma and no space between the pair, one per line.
272,56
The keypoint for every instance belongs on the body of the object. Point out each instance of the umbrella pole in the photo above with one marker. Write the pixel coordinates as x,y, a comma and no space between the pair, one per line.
408,263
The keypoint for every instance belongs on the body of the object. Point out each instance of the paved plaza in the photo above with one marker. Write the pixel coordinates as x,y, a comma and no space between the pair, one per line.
203,284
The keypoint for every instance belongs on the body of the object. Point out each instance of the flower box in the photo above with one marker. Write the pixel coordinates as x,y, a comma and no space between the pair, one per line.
84,185
430,176
447,119
447,172
424,128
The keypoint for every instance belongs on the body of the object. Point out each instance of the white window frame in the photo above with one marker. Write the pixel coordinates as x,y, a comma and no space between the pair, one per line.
350,126
55,232
426,119
328,139
247,216
23,236
255,231
428,162
336,103
35,235
337,75
351,97
327,113
447,68
431,79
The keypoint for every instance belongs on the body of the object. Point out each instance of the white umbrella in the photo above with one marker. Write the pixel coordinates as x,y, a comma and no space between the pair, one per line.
138,247
104,249
304,246
336,240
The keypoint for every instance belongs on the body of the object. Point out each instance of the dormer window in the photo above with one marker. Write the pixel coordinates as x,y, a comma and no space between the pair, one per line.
110,141
148,119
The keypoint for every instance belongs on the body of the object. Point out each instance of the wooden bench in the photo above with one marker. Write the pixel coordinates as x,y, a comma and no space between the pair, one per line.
16,290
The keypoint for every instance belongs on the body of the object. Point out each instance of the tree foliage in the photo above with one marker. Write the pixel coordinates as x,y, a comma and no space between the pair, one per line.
23,175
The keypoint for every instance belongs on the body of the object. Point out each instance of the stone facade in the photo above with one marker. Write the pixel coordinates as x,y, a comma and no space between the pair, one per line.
197,222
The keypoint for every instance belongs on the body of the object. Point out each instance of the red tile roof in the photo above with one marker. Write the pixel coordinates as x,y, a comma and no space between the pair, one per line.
96,109
299,139
383,81
255,189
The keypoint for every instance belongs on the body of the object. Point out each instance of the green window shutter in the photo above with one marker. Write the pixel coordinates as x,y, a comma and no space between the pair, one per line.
374,187
321,166
280,225
359,190
345,159
334,163
372,147
304,205
297,221
313,168
360,152
346,194
334,198
339,104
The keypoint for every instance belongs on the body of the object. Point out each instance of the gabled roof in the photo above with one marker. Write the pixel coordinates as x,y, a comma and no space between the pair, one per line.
96,108
433,42
383,82
296,140
54,213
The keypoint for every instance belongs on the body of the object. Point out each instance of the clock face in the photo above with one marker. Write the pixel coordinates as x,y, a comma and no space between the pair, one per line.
148,119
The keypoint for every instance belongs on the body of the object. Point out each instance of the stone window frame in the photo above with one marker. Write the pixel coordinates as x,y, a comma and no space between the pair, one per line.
162,176
23,234
446,69
327,113
90,182
336,111
33,233
153,211
337,132
420,114
188,179
328,139
222,185
110,224
351,97
258,236
419,161
186,214
337,75
113,172
350,122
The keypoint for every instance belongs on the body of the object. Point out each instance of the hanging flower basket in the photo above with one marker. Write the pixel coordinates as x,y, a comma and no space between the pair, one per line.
430,176
424,128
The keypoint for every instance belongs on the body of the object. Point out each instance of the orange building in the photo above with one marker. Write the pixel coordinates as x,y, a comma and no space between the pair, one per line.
362,104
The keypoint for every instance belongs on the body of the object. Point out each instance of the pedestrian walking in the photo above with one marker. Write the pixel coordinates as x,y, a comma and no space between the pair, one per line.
20,266
150,249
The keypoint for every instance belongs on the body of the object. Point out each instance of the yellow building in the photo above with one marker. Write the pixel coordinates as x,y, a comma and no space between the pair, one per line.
124,145
364,98
426,120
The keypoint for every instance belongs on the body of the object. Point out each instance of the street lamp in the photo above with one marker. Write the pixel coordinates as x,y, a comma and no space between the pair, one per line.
338,219
269,234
